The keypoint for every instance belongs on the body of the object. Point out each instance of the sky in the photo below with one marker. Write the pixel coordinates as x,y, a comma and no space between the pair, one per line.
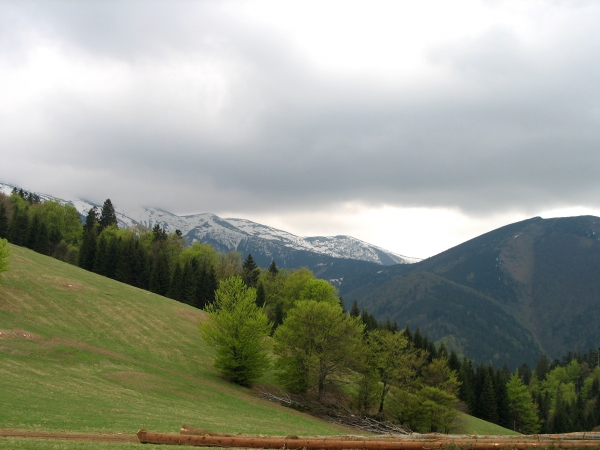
412,125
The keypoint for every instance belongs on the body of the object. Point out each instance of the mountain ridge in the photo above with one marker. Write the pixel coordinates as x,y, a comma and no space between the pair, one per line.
243,235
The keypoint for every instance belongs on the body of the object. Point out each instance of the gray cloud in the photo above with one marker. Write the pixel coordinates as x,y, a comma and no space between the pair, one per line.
515,126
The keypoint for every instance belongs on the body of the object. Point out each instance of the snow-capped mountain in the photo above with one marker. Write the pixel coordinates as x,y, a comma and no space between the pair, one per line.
264,242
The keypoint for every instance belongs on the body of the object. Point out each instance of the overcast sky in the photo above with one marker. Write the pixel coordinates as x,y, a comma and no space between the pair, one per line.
411,125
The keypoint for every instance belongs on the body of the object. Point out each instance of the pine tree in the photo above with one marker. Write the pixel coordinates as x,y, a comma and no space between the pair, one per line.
176,287
91,219
42,240
502,402
189,282
486,406
142,274
261,296
108,216
32,232
273,270
542,368
250,271
3,221
161,275
354,311
101,257
159,234
125,268
112,259
19,225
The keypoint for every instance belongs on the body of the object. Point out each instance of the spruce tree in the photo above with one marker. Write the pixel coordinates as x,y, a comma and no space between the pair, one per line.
486,403
3,221
32,232
354,311
250,271
261,296
273,270
176,287
108,216
19,225
87,250
142,274
189,282
113,257
161,275
42,240
101,257
125,268
542,368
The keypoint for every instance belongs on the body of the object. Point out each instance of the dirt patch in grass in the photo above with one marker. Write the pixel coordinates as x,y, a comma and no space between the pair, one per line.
192,316
19,334
138,380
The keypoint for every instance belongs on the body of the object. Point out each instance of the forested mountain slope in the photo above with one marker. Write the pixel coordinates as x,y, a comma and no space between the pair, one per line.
506,296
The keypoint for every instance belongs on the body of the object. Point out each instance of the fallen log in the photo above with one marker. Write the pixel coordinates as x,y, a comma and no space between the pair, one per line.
149,437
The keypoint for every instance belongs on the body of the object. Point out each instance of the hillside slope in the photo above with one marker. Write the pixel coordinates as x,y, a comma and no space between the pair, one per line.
80,352
505,297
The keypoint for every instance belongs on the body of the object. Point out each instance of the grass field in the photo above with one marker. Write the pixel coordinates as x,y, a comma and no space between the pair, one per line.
83,353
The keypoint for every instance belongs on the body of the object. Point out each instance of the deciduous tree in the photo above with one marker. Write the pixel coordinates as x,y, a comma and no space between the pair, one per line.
316,342
238,331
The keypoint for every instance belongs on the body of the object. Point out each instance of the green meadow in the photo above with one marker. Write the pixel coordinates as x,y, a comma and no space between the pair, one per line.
84,353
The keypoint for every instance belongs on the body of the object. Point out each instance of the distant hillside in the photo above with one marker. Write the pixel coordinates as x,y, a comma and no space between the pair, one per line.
505,296
264,242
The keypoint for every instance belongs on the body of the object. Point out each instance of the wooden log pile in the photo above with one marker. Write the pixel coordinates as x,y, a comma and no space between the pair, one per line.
413,442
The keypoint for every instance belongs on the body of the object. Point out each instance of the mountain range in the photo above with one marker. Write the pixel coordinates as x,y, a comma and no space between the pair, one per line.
263,242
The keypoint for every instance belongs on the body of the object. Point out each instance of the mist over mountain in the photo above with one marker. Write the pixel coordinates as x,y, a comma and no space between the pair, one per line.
234,234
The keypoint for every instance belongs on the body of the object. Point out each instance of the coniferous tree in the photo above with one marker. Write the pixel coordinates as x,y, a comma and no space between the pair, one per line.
3,221
161,275
42,240
91,219
250,271
114,245
542,367
176,287
19,225
354,311
108,216
125,268
273,270
159,234
486,408
101,257
261,296
32,231
454,362
189,282
502,403
418,340
141,265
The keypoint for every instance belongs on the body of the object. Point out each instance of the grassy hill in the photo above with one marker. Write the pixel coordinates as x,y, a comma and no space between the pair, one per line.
80,352
83,353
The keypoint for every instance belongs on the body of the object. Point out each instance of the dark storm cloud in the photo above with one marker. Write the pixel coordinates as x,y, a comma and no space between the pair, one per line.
514,126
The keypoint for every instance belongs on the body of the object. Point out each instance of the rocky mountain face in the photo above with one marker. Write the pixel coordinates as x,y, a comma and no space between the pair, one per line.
504,297
264,242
